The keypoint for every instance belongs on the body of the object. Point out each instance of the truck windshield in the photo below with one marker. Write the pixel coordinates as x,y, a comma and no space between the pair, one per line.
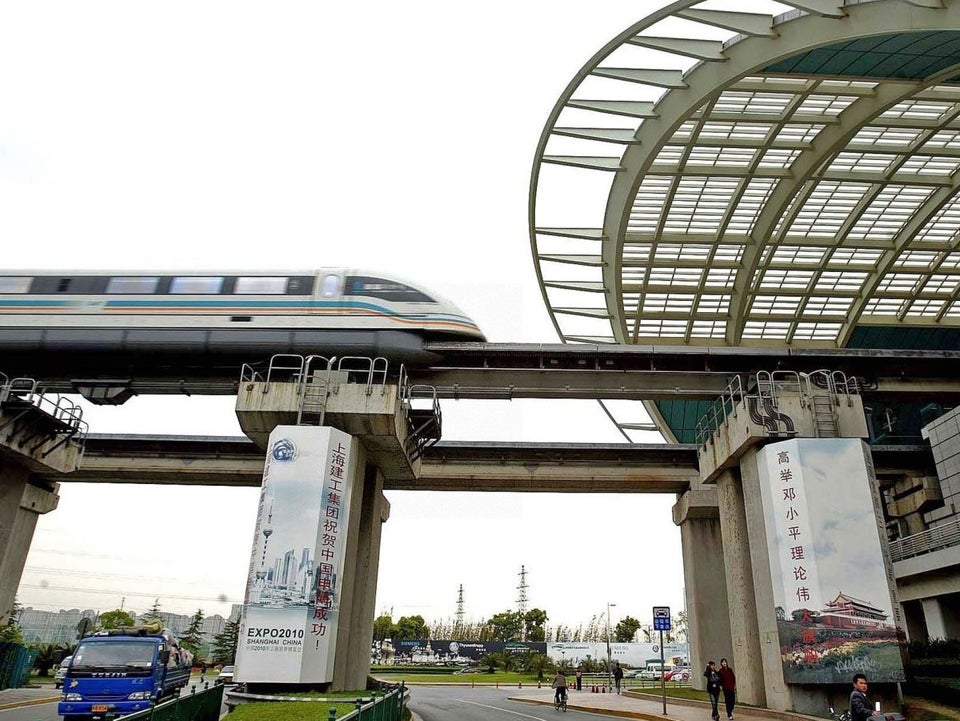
138,654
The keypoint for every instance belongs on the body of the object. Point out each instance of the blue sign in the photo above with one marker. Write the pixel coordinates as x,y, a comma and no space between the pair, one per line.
661,618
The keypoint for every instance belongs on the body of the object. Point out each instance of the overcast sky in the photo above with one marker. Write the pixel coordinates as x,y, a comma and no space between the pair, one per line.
391,136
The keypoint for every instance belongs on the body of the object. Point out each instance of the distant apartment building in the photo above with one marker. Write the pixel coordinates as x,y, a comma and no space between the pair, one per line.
61,627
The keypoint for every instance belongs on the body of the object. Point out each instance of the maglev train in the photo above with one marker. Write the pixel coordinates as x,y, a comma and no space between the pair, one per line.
116,315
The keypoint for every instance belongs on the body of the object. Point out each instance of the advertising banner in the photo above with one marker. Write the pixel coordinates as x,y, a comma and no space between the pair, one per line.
633,655
288,626
834,601
448,651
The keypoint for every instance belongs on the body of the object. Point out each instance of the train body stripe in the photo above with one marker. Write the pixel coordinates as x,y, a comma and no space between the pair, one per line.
273,308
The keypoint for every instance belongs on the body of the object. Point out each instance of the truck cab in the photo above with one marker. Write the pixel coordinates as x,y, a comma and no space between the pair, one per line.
119,674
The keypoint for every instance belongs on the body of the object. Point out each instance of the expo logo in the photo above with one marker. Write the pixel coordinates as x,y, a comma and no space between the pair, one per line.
284,450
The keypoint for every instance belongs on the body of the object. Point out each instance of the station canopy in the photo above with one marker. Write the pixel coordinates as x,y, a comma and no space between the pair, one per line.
758,174
785,177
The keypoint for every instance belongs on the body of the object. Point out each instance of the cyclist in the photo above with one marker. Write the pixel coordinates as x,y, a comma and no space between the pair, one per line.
559,683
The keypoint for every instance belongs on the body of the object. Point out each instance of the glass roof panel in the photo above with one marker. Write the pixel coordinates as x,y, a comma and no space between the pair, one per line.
894,55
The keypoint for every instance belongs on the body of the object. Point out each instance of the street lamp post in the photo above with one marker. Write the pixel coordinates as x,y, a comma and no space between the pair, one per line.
609,654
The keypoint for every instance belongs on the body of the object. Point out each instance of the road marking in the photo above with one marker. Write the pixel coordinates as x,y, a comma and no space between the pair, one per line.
497,708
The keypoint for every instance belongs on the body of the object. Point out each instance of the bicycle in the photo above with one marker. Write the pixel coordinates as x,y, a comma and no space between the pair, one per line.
560,702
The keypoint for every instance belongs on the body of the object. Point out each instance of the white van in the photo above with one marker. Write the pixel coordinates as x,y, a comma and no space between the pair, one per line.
654,671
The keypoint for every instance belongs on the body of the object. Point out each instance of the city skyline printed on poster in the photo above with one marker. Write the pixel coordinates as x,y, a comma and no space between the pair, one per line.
834,605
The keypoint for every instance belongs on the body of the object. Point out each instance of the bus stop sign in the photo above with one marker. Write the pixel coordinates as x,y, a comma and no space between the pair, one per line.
661,618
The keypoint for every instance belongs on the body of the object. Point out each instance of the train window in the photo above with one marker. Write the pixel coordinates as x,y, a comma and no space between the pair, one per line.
300,285
132,286
15,284
63,285
330,286
196,285
258,285
384,289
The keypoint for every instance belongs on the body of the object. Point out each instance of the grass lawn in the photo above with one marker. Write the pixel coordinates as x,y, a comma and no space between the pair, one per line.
672,692
300,710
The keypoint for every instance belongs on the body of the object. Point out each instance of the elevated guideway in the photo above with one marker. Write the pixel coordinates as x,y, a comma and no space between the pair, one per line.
513,371
447,466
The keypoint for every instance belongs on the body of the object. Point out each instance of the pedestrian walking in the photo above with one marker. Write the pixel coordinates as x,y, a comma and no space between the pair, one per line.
728,683
617,675
713,688
579,679
203,670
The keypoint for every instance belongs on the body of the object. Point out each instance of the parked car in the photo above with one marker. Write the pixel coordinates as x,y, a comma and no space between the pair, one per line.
225,675
61,672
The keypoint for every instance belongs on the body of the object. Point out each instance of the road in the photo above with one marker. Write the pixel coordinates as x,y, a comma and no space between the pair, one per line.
483,703
40,712
432,703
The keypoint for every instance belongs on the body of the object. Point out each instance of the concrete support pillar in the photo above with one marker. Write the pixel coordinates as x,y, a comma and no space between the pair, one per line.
913,619
705,584
374,513
934,617
343,673
779,695
20,505
744,629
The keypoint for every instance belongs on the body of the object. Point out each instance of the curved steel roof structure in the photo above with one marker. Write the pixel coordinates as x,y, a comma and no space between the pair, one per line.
790,176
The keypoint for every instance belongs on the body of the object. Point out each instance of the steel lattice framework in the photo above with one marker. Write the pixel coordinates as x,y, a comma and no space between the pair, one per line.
720,177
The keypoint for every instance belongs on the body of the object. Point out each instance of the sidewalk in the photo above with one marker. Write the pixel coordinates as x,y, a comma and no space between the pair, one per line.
26,696
634,705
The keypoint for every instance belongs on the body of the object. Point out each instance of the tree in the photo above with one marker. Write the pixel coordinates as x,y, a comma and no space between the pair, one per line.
192,638
382,628
411,627
534,622
153,614
225,643
626,629
539,664
506,626
46,657
680,625
114,619
10,631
